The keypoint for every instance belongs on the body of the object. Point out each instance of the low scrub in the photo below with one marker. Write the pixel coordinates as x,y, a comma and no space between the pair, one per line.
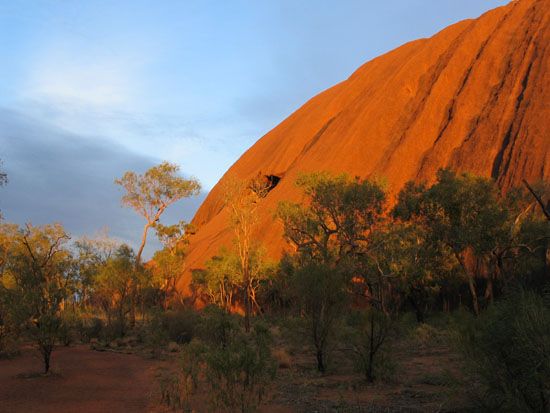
231,366
507,350
369,340
180,325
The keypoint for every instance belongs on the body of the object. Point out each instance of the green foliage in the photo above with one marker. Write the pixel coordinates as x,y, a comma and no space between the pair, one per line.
223,279
90,327
178,388
37,281
180,325
151,193
166,266
166,269
156,335
91,255
69,330
9,345
337,218
411,262
320,293
115,286
424,335
239,372
369,341
465,213
233,367
159,187
331,232
462,210
220,280
507,351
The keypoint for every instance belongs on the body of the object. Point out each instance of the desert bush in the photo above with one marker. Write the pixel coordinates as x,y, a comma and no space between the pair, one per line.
155,336
69,331
424,335
90,327
233,367
369,341
239,372
507,351
9,343
180,325
177,388
218,327
112,331
320,292
284,360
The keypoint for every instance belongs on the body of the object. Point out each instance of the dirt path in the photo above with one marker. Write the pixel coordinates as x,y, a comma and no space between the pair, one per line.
84,381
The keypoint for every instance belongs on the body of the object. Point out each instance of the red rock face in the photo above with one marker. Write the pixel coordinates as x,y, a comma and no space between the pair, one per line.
475,97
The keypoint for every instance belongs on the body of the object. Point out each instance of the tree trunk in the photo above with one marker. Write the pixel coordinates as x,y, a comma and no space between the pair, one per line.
320,361
143,241
46,355
247,303
132,311
370,374
471,284
417,310
489,290
473,292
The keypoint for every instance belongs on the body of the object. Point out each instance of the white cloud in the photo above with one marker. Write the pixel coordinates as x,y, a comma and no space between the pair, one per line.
87,79
98,92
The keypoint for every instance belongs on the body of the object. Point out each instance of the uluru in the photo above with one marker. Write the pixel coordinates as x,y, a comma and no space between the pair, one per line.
384,247
474,98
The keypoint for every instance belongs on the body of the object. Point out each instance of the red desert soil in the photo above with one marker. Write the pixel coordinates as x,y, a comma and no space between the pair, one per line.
474,97
83,380
86,380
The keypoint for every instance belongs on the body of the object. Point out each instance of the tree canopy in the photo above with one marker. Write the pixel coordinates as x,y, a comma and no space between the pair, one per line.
154,191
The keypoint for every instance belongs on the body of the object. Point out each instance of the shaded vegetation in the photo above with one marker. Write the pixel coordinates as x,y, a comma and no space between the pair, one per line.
454,262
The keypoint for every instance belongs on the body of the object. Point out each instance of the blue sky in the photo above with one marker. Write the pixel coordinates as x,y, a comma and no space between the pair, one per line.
91,88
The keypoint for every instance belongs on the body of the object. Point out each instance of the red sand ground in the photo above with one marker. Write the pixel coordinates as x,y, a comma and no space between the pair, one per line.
86,380
83,380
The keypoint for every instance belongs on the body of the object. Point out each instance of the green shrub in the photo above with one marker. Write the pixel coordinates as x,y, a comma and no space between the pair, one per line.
90,327
424,335
238,374
233,367
9,344
180,325
177,388
507,351
369,339
70,326
113,330
218,327
156,336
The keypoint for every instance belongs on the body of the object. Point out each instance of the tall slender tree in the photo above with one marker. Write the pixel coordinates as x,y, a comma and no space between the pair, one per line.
149,195
242,199
154,191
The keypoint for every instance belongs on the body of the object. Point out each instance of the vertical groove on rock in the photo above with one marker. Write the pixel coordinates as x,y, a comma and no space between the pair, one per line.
516,120
474,97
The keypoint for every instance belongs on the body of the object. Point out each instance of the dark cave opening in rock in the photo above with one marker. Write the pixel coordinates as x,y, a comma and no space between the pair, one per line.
272,181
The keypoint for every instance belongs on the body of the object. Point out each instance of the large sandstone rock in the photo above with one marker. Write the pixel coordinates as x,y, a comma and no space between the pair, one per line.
474,97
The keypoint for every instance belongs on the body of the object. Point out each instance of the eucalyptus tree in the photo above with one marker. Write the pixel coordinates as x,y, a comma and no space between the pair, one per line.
154,191
242,199
331,232
37,282
149,195
464,212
